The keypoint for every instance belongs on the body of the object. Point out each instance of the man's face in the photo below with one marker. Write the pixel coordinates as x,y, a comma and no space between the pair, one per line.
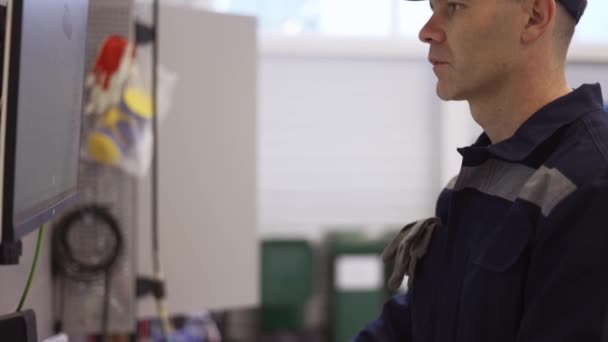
474,46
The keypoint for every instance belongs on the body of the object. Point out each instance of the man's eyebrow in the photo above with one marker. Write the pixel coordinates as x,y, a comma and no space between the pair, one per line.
433,1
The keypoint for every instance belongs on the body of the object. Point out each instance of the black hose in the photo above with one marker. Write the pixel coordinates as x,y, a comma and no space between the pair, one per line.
68,265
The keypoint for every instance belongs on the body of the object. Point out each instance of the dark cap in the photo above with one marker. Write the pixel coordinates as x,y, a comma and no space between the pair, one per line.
576,8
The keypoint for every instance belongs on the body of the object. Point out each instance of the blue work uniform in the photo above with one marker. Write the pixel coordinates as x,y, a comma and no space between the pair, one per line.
522,252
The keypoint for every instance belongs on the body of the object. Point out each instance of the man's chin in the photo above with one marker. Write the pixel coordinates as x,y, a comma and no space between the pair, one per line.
447,94
443,94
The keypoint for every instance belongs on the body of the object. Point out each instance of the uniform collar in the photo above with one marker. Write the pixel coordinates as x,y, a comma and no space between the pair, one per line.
540,126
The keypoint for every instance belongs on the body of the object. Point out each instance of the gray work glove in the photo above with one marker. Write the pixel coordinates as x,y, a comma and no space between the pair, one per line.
407,248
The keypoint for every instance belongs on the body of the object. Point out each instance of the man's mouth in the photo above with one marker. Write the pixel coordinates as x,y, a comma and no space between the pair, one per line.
437,62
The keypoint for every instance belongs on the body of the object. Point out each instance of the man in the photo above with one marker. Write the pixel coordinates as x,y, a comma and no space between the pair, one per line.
520,252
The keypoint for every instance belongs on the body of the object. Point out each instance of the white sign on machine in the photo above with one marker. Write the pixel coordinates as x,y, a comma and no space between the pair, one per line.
358,272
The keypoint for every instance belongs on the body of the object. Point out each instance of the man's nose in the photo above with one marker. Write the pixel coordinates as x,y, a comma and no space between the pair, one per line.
431,32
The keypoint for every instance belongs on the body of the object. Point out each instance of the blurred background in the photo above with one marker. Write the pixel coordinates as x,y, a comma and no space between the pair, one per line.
299,137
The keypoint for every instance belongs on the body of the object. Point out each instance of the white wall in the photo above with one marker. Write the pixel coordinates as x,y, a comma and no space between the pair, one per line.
345,141
207,166
580,72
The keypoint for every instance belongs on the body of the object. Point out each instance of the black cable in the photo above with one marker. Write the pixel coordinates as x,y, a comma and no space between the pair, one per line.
144,35
64,260
68,265
105,313
59,305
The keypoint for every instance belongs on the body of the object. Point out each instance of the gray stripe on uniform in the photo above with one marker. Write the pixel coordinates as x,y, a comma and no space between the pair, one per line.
547,188
452,183
495,178
544,187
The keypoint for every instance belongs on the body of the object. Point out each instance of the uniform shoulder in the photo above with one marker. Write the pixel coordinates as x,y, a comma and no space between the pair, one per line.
582,153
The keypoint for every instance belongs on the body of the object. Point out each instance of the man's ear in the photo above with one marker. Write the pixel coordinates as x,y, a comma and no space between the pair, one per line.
541,13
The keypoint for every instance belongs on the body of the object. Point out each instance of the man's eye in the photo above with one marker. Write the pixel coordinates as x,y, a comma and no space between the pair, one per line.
454,6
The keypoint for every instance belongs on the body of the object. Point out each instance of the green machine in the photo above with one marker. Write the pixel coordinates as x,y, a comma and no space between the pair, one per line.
357,282
287,284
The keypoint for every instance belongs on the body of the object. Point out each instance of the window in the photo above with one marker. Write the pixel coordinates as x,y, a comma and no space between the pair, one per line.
374,18
412,16
593,27
285,16
327,17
